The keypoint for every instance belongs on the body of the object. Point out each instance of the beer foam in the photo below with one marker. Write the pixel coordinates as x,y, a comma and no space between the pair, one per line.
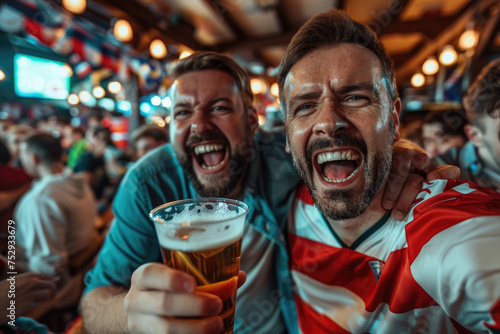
199,227
199,235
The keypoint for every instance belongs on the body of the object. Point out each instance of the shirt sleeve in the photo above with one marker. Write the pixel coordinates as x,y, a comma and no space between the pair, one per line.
465,275
41,233
132,239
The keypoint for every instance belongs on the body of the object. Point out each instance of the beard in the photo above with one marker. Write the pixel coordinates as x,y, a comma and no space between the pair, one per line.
343,204
222,183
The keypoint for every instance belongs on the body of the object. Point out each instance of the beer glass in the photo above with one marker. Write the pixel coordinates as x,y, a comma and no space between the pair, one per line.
202,236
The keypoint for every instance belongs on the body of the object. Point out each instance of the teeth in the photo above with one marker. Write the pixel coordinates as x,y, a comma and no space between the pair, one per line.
340,181
204,166
202,149
336,156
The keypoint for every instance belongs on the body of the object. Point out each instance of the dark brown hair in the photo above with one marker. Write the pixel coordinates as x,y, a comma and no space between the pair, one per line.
200,61
329,29
44,146
483,97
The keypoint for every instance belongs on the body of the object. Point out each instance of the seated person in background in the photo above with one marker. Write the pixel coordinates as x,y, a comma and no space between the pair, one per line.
30,291
147,137
5,124
78,145
356,269
13,138
55,219
412,131
13,183
443,130
99,165
479,159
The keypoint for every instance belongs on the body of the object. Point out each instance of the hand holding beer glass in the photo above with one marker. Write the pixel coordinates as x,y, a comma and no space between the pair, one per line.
202,237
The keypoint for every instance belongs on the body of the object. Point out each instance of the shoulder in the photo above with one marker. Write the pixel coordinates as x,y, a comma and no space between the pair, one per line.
156,162
448,210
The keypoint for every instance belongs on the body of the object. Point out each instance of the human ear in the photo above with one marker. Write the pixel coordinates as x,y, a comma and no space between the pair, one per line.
253,119
474,134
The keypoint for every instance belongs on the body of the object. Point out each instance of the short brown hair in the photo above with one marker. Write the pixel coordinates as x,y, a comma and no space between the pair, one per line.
205,60
44,146
152,131
326,30
483,97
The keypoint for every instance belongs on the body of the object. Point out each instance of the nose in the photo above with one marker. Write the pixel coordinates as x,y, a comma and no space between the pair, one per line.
201,122
329,120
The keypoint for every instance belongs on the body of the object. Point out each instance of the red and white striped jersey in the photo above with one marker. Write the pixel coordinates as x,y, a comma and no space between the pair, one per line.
437,271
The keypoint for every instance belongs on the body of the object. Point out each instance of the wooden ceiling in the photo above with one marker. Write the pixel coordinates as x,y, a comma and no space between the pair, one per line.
256,32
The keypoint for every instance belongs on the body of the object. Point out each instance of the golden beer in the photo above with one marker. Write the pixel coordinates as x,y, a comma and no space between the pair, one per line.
216,271
202,237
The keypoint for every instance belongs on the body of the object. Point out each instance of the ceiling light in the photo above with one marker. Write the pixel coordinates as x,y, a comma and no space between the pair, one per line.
2,75
84,96
418,80
75,6
275,91
156,100
448,56
257,85
158,49
185,54
114,87
468,39
166,102
123,30
98,92
431,66
73,99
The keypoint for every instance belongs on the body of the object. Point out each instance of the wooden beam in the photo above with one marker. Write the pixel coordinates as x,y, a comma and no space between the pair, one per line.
446,37
401,58
221,10
485,42
398,7
181,32
256,43
430,27
280,11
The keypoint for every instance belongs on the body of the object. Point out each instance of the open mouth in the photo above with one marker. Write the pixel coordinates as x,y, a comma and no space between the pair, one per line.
338,166
210,157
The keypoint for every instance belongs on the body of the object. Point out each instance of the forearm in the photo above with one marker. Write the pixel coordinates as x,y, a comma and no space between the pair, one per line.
103,312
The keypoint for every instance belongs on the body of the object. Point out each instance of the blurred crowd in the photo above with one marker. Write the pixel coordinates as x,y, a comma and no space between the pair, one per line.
57,183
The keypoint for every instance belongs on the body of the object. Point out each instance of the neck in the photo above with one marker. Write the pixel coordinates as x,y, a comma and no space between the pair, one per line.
351,229
52,169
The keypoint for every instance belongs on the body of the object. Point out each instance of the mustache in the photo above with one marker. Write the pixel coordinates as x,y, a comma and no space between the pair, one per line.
339,140
197,138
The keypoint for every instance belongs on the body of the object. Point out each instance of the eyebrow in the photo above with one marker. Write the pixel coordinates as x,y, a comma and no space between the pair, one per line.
181,104
214,101
359,86
221,99
367,86
306,96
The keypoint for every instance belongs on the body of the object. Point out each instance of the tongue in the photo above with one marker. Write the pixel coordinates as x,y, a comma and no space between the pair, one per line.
213,158
339,170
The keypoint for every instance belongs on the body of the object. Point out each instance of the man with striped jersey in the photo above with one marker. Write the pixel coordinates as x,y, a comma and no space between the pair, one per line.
354,268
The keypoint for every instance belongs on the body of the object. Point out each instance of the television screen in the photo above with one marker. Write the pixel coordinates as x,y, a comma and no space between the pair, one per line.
41,78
